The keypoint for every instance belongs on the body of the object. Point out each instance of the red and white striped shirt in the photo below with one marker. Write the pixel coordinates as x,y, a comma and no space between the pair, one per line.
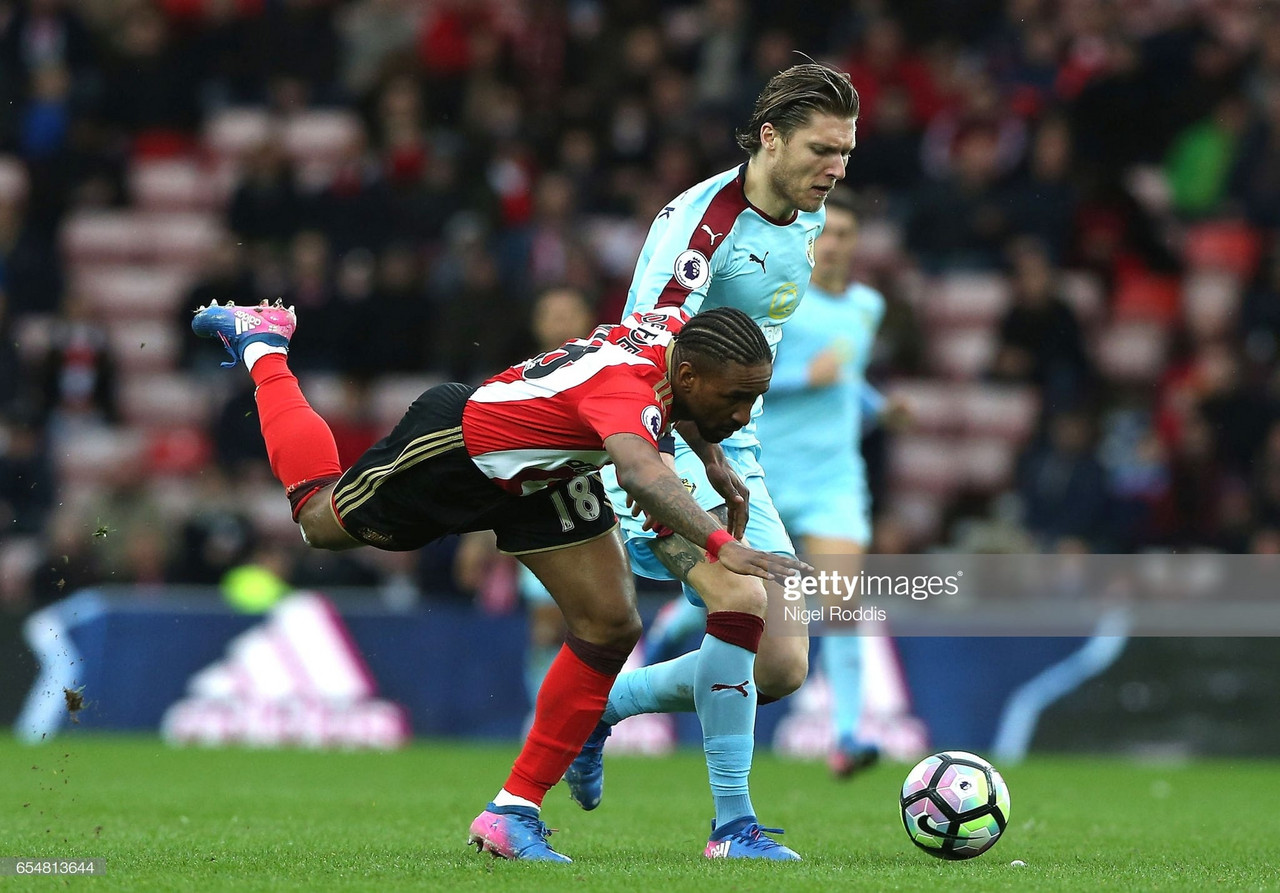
546,419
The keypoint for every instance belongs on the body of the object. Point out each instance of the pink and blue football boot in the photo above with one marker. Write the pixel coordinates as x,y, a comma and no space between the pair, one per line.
513,832
236,327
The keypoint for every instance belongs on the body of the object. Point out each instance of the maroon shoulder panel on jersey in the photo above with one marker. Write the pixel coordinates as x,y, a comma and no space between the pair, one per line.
708,235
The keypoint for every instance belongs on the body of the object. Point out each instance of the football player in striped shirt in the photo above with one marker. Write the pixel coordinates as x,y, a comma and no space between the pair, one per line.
520,455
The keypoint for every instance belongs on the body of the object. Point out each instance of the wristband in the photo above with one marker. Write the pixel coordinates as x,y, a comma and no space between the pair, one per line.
716,541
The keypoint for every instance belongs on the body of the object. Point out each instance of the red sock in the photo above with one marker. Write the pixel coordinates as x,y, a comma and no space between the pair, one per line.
570,703
300,445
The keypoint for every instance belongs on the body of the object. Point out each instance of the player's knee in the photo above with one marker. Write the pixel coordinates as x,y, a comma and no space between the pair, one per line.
726,591
783,674
319,529
616,629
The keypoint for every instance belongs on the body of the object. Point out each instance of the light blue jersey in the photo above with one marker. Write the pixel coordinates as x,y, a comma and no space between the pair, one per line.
811,434
711,247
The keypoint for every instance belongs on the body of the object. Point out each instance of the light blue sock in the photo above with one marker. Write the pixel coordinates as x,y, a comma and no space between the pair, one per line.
675,622
842,663
725,694
536,663
662,688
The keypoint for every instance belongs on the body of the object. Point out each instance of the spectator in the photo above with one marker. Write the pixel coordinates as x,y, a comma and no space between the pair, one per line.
267,205
47,33
1042,200
310,289
354,209
883,61
1062,484
1236,410
1024,60
1190,516
722,55
1255,177
1199,163
475,326
214,539
981,107
30,274
46,121
70,561
12,390
151,87
1111,117
78,372
376,35
27,481
1040,338
888,165
296,42
402,303
960,222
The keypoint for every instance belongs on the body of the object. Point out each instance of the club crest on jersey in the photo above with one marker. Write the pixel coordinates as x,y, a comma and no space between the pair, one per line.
808,248
784,301
651,418
691,486
692,269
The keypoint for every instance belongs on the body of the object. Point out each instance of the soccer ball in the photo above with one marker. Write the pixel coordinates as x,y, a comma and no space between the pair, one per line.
955,805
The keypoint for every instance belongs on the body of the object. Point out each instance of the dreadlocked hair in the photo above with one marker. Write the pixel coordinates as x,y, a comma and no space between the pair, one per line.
724,335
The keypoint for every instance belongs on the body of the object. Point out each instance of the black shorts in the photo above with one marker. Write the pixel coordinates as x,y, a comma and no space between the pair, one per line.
419,484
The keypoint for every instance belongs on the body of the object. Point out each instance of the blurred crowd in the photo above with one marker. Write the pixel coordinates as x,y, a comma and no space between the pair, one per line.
513,147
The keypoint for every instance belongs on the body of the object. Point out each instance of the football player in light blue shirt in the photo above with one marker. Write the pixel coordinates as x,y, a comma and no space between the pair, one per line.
744,238
818,405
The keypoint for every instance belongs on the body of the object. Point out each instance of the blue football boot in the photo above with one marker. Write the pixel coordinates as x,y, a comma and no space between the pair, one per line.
744,839
585,775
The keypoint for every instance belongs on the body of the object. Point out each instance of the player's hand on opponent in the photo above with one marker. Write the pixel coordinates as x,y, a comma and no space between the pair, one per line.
727,482
737,498
742,559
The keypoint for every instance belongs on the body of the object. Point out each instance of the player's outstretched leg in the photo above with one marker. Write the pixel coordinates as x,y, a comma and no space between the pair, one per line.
841,658
300,446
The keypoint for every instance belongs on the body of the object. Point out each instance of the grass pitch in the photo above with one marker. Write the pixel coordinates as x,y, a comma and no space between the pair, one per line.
167,819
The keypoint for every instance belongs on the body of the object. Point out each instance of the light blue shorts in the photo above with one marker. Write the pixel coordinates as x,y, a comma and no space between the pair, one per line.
764,527
838,506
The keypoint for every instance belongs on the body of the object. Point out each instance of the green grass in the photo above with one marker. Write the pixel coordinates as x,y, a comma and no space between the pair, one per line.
169,819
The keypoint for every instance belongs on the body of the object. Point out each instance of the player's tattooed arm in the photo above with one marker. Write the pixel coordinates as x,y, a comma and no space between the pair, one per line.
663,497
657,490
677,554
